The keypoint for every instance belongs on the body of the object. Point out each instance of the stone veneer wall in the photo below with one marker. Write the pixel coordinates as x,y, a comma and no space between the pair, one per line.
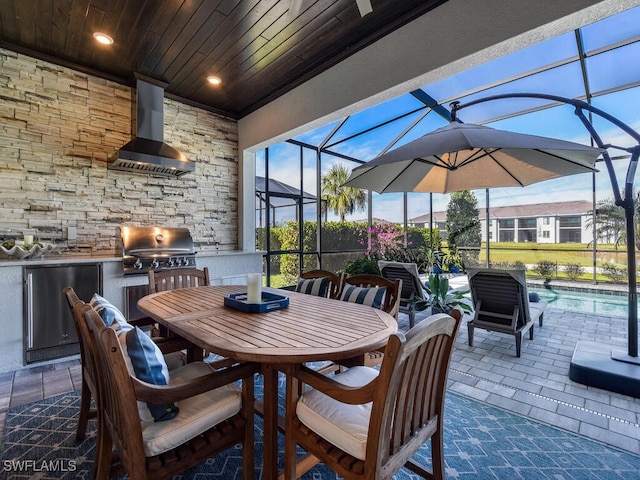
58,127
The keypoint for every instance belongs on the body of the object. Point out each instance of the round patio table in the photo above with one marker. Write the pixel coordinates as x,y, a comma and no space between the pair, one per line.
310,329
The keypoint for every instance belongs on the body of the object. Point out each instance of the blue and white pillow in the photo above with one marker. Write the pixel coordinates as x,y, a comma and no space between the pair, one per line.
109,313
314,286
372,296
146,363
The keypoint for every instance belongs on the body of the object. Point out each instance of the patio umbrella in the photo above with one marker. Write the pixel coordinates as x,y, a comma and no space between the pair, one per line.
463,156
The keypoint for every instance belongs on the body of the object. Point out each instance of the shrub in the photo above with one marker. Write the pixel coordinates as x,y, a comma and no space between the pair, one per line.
517,265
614,272
545,268
573,271
364,264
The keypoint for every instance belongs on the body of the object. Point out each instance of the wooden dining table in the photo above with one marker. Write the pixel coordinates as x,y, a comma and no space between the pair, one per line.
309,329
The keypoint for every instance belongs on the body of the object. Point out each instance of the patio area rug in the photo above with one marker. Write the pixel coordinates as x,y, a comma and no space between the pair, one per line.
481,443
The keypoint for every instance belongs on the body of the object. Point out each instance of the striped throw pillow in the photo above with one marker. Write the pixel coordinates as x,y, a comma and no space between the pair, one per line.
146,363
314,286
373,296
109,313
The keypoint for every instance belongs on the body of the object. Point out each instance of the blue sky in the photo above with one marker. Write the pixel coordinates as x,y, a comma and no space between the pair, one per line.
550,67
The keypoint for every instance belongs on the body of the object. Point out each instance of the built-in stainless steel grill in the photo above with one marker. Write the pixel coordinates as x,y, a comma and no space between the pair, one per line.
158,248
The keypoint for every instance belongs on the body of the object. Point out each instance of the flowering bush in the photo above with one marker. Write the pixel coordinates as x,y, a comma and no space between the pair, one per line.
386,242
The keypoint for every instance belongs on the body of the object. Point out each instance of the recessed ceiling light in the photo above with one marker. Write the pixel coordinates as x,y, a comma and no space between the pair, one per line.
212,79
103,38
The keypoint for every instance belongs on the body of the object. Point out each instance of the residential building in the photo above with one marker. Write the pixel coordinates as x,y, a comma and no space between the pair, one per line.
557,222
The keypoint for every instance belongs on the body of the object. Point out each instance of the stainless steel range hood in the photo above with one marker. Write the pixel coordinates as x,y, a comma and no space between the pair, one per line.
147,152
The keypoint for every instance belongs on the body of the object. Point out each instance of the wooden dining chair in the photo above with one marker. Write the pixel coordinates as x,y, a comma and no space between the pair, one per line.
89,387
179,278
171,347
209,412
335,281
365,424
375,291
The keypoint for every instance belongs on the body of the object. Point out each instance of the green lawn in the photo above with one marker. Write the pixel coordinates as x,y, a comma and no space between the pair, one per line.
560,253
530,254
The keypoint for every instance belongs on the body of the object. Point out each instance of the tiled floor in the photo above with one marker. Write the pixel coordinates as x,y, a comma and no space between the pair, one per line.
536,385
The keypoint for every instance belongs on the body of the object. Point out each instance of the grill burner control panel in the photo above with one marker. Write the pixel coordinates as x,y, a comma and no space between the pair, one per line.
137,265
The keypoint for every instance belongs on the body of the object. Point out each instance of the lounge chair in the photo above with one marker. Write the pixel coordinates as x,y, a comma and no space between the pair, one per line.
411,285
502,304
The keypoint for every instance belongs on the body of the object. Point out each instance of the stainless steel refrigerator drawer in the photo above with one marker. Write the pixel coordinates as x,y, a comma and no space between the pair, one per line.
49,331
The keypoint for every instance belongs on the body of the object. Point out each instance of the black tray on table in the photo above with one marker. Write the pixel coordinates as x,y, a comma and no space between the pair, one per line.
270,301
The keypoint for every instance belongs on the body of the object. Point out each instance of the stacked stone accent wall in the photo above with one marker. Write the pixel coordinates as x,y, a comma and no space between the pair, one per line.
58,127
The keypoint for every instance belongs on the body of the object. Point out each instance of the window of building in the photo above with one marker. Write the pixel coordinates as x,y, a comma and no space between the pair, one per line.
506,223
526,223
572,221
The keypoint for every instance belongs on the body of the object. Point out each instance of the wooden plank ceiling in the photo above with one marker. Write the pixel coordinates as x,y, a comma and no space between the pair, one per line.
256,47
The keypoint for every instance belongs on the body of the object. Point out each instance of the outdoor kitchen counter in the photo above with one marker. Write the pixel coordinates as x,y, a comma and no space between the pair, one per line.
55,257
225,267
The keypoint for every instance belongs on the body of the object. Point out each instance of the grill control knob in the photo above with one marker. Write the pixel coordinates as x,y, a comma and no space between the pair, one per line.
182,261
155,263
171,262
138,264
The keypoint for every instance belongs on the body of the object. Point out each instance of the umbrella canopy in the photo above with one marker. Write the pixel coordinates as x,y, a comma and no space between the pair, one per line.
463,156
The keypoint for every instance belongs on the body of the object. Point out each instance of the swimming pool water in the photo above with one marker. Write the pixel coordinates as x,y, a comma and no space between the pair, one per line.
585,301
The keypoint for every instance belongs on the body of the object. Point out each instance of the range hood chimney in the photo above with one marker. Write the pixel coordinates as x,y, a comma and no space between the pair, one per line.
147,152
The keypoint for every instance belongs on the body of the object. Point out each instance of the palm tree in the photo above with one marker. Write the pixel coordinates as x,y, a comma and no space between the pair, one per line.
610,220
339,199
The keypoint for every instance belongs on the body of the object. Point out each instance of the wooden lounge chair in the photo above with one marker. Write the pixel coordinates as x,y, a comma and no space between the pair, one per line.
502,304
411,285
367,425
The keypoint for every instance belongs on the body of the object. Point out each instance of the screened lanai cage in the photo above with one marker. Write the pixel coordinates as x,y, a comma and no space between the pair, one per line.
562,228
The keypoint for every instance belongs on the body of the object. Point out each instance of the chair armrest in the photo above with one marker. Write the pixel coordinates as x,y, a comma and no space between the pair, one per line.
173,344
142,321
222,363
335,390
150,393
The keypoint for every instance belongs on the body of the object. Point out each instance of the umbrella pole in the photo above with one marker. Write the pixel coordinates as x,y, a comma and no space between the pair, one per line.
486,213
626,203
430,221
629,208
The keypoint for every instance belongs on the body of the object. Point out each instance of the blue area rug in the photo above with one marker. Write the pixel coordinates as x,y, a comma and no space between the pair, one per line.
481,443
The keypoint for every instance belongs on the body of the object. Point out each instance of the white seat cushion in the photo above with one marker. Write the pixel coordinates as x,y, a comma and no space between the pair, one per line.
174,360
344,425
196,414
536,309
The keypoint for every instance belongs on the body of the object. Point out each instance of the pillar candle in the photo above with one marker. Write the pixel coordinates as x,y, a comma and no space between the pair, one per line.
254,288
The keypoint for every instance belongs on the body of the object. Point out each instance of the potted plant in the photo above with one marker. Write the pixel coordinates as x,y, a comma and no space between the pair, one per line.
441,298
453,262
432,260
